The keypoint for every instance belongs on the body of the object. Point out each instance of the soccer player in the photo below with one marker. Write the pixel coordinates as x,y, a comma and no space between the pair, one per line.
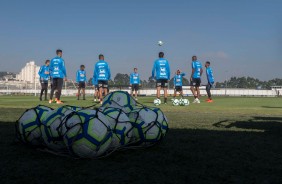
210,79
44,77
96,88
134,82
178,83
161,66
195,78
58,74
81,80
102,74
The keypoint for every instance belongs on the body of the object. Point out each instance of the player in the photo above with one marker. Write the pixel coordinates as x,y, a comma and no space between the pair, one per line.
210,79
178,83
96,88
134,82
44,77
81,80
102,74
58,74
161,66
195,78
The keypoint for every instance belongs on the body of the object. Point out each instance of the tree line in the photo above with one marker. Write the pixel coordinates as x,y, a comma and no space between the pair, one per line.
122,80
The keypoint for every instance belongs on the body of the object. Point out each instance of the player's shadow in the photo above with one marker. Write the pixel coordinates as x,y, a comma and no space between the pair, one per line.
271,107
266,124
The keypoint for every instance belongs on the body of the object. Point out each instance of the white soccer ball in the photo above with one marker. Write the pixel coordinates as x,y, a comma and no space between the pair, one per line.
160,43
52,127
149,125
88,133
119,99
120,125
186,102
28,126
157,101
175,102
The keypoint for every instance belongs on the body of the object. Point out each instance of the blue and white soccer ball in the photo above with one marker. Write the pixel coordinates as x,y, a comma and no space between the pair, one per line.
175,102
119,99
149,125
28,126
120,125
87,133
157,102
52,127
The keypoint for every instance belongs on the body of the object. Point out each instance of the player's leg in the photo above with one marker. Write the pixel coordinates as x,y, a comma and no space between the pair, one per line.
53,88
42,90
100,88
158,86
165,85
208,89
45,90
174,95
83,90
105,87
78,92
198,84
59,88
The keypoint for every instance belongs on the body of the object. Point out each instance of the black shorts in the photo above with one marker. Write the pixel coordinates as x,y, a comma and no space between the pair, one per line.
196,82
96,87
162,83
81,85
102,84
135,87
57,83
178,88
44,85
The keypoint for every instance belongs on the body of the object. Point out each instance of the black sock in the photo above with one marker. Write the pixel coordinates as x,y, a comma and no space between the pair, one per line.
165,99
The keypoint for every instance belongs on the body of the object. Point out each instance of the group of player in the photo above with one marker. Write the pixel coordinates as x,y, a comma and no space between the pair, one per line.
55,70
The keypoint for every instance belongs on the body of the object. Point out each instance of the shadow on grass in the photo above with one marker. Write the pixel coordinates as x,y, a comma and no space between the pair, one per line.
271,125
185,156
270,107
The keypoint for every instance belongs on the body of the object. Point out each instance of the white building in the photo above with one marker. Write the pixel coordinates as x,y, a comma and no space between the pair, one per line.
29,73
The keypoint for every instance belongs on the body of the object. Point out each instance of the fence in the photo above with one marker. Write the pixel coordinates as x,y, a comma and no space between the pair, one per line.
152,92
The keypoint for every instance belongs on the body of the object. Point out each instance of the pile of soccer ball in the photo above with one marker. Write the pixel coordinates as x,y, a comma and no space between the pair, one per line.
120,123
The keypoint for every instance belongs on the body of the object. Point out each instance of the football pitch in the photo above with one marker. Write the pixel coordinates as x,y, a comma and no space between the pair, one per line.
233,140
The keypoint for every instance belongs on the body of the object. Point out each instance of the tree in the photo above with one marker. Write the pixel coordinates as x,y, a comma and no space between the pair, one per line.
121,79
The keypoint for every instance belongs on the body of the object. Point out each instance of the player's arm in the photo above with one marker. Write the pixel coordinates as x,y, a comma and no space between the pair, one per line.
40,71
193,70
109,70
85,78
64,69
153,70
131,79
182,74
168,70
174,80
77,76
201,71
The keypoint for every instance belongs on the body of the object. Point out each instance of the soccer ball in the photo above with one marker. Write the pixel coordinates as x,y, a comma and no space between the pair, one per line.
87,133
181,102
160,43
119,99
157,101
28,125
149,125
186,102
120,125
51,127
175,102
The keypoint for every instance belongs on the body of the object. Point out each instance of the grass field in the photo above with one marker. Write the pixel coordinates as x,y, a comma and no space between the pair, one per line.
233,140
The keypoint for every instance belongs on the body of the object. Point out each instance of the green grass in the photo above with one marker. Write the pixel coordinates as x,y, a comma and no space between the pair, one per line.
233,140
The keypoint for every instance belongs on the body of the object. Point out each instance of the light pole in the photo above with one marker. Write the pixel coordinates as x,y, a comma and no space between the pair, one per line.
226,82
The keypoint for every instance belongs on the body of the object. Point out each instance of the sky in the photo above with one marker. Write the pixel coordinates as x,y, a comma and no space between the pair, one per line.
239,38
